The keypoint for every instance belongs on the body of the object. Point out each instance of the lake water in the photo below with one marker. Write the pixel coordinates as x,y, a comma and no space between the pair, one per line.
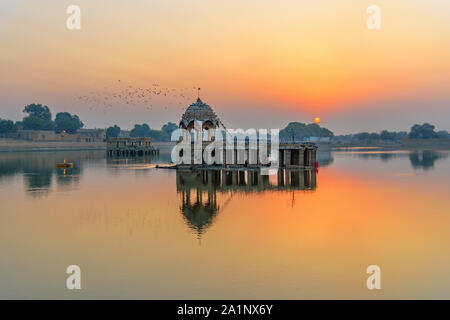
141,232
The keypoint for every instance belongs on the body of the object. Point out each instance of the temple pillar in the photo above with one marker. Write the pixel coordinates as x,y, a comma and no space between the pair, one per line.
281,158
311,157
242,181
254,178
287,157
303,173
295,178
313,179
209,174
306,157
224,178
288,178
301,158
308,179
280,178
234,178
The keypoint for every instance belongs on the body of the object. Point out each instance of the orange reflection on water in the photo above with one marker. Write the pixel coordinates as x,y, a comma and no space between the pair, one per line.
127,231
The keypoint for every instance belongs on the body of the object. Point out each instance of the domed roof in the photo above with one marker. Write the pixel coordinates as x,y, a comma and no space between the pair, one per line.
199,111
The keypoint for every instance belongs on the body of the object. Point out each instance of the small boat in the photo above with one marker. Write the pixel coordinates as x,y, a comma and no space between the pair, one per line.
64,165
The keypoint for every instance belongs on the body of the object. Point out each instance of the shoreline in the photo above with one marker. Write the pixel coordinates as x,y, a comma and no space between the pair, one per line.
408,145
11,145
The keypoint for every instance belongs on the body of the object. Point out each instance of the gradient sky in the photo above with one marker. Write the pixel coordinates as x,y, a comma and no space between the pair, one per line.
260,63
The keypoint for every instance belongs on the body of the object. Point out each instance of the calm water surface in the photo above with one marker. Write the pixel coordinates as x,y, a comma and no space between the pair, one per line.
141,232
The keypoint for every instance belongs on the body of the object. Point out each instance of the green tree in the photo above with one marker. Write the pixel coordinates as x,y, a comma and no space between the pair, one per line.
140,131
443,134
424,131
295,131
374,136
386,135
159,135
169,128
64,121
7,126
113,132
362,136
314,130
400,135
39,118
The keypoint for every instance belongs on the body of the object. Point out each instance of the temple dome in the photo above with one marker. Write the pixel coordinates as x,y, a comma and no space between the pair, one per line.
199,111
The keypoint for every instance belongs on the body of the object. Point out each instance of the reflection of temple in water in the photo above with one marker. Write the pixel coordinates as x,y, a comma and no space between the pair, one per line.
199,189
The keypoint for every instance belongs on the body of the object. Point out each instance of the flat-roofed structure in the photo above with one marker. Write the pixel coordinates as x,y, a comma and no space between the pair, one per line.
130,147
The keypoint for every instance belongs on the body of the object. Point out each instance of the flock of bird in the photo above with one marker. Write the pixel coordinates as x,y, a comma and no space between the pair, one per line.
129,96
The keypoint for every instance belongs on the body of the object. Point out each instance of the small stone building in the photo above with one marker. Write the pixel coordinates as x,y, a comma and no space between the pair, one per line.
125,147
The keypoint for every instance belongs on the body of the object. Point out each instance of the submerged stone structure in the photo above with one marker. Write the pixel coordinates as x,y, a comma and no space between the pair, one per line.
130,147
202,127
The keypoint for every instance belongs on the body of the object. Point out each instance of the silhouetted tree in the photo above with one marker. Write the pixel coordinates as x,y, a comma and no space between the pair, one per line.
169,128
443,134
159,135
140,131
374,136
39,118
296,131
362,136
113,132
64,121
424,131
7,126
386,135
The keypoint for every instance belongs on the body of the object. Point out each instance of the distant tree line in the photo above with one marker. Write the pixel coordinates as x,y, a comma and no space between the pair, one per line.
293,130
39,117
392,136
424,131
144,131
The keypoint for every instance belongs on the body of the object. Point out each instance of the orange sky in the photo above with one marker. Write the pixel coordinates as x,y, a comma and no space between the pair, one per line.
287,61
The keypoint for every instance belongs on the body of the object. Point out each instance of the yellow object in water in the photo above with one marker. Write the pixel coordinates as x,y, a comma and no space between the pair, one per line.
64,165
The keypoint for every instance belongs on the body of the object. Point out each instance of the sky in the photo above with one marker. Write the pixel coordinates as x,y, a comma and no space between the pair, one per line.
259,63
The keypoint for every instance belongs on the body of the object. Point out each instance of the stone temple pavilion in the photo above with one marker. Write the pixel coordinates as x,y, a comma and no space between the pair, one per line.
291,154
